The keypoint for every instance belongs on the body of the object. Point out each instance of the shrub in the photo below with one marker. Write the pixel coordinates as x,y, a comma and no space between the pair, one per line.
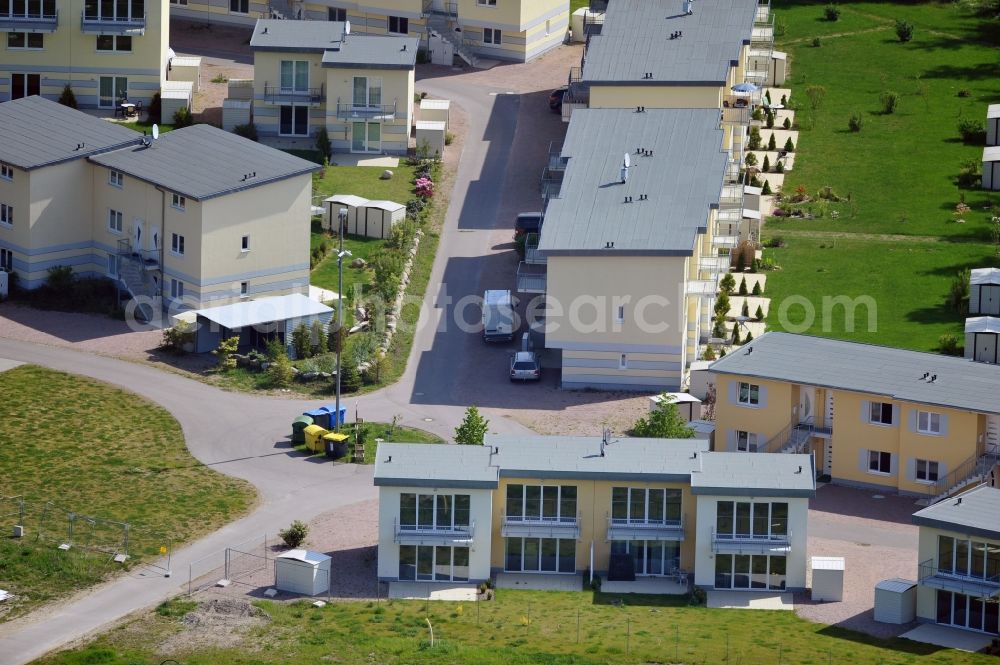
855,122
750,159
60,278
279,372
787,124
736,335
756,291
295,534
301,343
749,338
227,347
176,337
753,143
449,138
958,291
890,101
745,311
948,345
473,428
721,308
67,98
784,100
323,143
759,314
757,114
779,166
709,353
816,42
769,119
318,335
766,166
743,287
772,143
220,78
766,189
904,30
665,422
767,96
970,174
728,283
816,94
247,131
155,106
831,12
350,377
183,117
789,146
972,130
965,92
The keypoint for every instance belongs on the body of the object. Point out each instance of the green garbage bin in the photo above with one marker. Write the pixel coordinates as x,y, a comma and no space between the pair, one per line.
299,427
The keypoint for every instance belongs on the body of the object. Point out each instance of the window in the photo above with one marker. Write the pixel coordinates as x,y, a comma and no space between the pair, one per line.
491,36
114,10
177,201
546,555
244,289
182,3
631,505
239,6
928,423
541,503
111,91
486,3
968,558
927,471
620,318
399,25
440,563
881,413
336,14
431,512
114,221
294,76
176,288
623,361
177,244
743,520
114,43
746,442
112,265
749,394
115,178
367,91
294,121
6,171
25,85
6,214
245,244
27,40
879,462
6,260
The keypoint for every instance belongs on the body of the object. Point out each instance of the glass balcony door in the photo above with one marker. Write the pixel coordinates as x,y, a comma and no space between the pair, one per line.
294,76
112,90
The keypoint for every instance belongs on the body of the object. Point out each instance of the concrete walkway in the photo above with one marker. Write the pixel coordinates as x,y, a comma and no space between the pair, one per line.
539,582
749,600
947,636
432,591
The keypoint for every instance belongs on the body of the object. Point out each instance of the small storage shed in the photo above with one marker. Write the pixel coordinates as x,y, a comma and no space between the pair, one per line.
896,601
993,124
235,112
324,415
828,578
375,219
174,95
437,110
576,22
313,435
982,339
186,68
240,89
432,132
991,168
779,68
688,405
302,571
333,204
984,291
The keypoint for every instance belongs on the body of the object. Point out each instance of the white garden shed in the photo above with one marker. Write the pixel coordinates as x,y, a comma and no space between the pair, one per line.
436,110
333,205
174,95
432,134
235,112
828,578
186,68
895,601
993,124
991,167
371,219
984,291
982,339
302,571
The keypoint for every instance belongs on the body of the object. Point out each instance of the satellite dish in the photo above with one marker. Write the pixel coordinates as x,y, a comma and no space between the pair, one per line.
347,27
627,163
156,132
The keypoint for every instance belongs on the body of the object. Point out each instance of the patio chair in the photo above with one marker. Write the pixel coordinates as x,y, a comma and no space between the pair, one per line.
138,106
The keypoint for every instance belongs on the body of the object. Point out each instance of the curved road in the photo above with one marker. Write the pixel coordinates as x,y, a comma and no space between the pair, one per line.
246,436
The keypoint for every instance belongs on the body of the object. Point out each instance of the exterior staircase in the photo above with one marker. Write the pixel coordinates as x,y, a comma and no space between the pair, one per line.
137,278
976,469
445,23
794,438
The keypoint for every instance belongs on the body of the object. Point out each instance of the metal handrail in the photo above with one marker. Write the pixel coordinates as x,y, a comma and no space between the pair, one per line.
750,538
468,530
646,523
965,473
352,110
927,570
114,20
540,520
29,17
273,93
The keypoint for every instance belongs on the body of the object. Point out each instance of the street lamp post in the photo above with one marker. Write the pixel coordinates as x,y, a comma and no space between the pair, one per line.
340,318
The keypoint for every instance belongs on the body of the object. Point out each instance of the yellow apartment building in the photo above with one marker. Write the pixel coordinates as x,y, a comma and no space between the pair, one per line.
311,74
959,561
881,418
197,217
645,515
104,50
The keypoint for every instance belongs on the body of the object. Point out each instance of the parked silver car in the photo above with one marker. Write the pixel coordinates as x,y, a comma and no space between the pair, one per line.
524,366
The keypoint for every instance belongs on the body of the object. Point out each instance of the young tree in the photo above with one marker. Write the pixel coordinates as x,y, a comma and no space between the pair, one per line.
772,143
295,534
766,187
323,143
749,338
759,314
473,428
789,146
350,377
728,283
279,372
67,98
722,306
766,166
743,287
787,124
769,119
224,353
301,342
756,291
664,422
709,353
318,334
736,335
746,309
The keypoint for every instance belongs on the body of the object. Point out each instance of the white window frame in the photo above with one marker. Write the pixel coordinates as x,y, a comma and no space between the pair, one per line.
875,463
26,47
6,172
177,244
116,178
746,442
881,415
176,288
487,3
336,12
7,215
388,25
178,202
752,399
495,37
115,221
240,11
245,243
929,422
927,468
6,259
182,3
620,314
244,289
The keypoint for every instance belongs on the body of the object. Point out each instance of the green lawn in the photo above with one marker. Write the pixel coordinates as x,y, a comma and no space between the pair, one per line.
518,627
95,450
145,126
898,176
326,274
364,181
388,433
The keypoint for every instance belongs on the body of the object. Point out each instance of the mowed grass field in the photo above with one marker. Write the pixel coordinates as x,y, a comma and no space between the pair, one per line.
94,450
518,627
899,172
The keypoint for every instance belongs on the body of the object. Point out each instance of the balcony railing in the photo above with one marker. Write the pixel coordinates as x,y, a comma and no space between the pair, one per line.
278,95
552,180
731,196
29,22
149,258
981,586
531,278
531,253
736,115
111,25
556,160
750,543
540,527
626,529
422,534
384,112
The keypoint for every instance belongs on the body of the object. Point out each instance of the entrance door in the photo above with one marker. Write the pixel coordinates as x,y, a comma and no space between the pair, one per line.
137,235
366,137
986,347
807,401
989,299
294,121
112,89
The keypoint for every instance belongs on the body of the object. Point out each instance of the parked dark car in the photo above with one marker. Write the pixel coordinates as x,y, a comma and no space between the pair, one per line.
527,222
556,99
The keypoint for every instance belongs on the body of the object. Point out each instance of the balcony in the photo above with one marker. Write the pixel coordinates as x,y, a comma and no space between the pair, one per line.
736,115
43,21
417,534
112,25
531,253
552,180
977,586
531,278
751,543
725,242
731,196
556,160
278,95
520,526
626,529
715,265
763,14
701,288
382,112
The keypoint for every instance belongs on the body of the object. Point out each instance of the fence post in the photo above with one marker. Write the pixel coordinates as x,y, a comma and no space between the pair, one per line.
677,642
578,625
190,572
628,635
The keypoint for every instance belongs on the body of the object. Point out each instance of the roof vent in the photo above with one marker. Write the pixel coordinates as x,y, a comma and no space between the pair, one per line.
609,245
749,351
404,47
926,374
388,459
800,469
265,30
933,378
959,502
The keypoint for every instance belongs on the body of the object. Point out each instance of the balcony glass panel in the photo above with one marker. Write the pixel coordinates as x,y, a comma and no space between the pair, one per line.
515,501
462,503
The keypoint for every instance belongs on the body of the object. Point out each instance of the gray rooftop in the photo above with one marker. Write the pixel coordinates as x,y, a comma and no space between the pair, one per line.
202,162
37,132
877,370
361,51
434,465
635,39
976,512
683,179
742,474
286,35
984,276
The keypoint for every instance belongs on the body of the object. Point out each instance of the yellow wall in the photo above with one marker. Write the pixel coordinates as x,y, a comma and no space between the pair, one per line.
927,550
664,97
528,28
766,420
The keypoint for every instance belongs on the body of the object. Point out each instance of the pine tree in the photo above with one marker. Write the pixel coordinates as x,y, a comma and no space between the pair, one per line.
722,306
665,422
743,287
746,309
301,343
350,377
759,314
787,124
736,335
728,283
789,146
766,189
473,429
318,338
766,166
756,289
749,338
279,372
772,143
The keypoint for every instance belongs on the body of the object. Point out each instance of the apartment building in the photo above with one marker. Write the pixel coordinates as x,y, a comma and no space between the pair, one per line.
104,50
959,569
653,510
197,217
310,74
876,417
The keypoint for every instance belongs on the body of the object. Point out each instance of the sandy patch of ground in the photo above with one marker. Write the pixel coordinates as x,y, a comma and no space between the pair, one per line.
217,623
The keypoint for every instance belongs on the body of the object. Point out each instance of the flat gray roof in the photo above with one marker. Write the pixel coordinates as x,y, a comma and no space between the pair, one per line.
866,368
287,35
434,465
367,51
36,132
682,179
635,40
749,474
202,162
976,512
